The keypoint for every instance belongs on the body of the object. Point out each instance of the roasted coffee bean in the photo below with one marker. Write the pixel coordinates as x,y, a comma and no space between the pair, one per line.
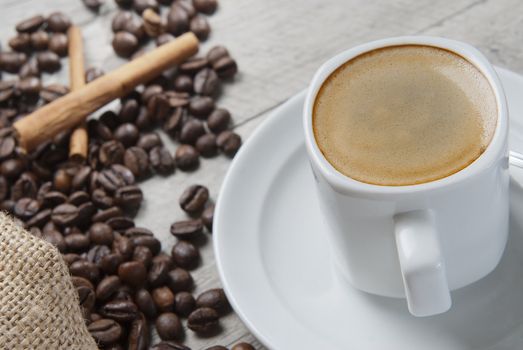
76,242
208,217
125,44
29,69
58,22
184,303
29,86
133,273
86,270
168,326
128,113
179,280
139,337
129,197
193,65
107,287
173,124
7,91
158,107
183,83
21,42
218,120
39,40
40,218
93,73
206,6
120,223
127,134
123,246
141,5
158,273
187,229
124,173
149,141
187,6
58,44
105,331
65,214
177,21
96,254
150,91
200,27
51,92
243,346
191,130
229,142
93,5
216,53
25,186
187,157
86,294
152,23
142,120
145,303
143,255
70,258
101,233
106,214
48,61
8,205
111,152
136,159
120,20
164,39
206,82
201,106
12,168
78,198
102,200
4,188
56,239
11,62
110,262
31,24
169,345
147,241
206,145
26,208
161,160
177,99
163,298
215,299
225,67
62,181
193,199
185,254
203,320
79,181
120,310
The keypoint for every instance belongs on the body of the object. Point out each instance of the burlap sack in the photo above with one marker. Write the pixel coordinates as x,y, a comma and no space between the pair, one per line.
38,304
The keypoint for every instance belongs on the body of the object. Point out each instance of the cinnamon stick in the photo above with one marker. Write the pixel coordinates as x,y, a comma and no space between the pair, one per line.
71,109
79,139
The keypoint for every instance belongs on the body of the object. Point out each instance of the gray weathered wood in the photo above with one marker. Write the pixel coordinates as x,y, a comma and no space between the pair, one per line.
278,45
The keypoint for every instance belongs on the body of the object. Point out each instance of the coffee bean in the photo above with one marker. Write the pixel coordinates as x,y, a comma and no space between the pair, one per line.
164,39
177,99
201,106
120,223
11,62
78,198
193,199
168,326
40,218
107,287
229,142
206,82
243,346
150,91
105,331
169,345
163,299
184,303
225,67
152,23
143,255
132,273
135,27
141,5
206,6
127,134
29,86
216,53
39,40
191,130
129,112
147,241
29,69
123,246
183,83
110,263
145,303
120,20
58,44
106,214
77,242
206,145
25,186
56,239
12,168
177,21
7,148
86,294
58,22
203,320
158,107
93,5
102,200
65,214
70,258
125,44
62,181
48,61
149,141
111,152
21,42
31,24
200,27
218,120
193,65
187,6
97,255
101,233
187,229
85,269
139,337
187,157
185,254
161,160
26,208
120,310
208,217
158,273
136,159
93,73
52,92
215,299
173,124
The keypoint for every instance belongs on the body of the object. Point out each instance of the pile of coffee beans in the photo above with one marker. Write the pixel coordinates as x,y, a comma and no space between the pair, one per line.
85,207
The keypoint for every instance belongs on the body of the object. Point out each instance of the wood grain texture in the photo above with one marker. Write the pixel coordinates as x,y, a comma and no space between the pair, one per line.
278,46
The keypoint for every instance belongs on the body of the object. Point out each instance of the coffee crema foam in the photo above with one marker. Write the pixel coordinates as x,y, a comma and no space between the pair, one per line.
404,115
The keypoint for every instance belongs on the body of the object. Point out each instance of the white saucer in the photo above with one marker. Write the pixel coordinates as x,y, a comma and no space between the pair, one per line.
275,264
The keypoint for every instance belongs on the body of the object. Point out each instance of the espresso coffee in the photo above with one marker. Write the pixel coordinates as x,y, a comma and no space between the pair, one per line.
404,115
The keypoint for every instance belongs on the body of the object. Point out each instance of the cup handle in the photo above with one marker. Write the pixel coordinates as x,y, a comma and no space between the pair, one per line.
421,263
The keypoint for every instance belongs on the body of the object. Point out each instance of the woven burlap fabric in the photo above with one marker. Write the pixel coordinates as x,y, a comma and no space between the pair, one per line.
38,304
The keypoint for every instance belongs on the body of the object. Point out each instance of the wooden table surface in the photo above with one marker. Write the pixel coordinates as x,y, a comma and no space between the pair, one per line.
278,45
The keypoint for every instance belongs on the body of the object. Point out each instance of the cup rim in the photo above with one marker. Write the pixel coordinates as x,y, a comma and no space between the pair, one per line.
491,155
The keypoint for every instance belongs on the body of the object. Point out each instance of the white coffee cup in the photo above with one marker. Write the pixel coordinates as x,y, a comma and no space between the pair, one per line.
417,241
